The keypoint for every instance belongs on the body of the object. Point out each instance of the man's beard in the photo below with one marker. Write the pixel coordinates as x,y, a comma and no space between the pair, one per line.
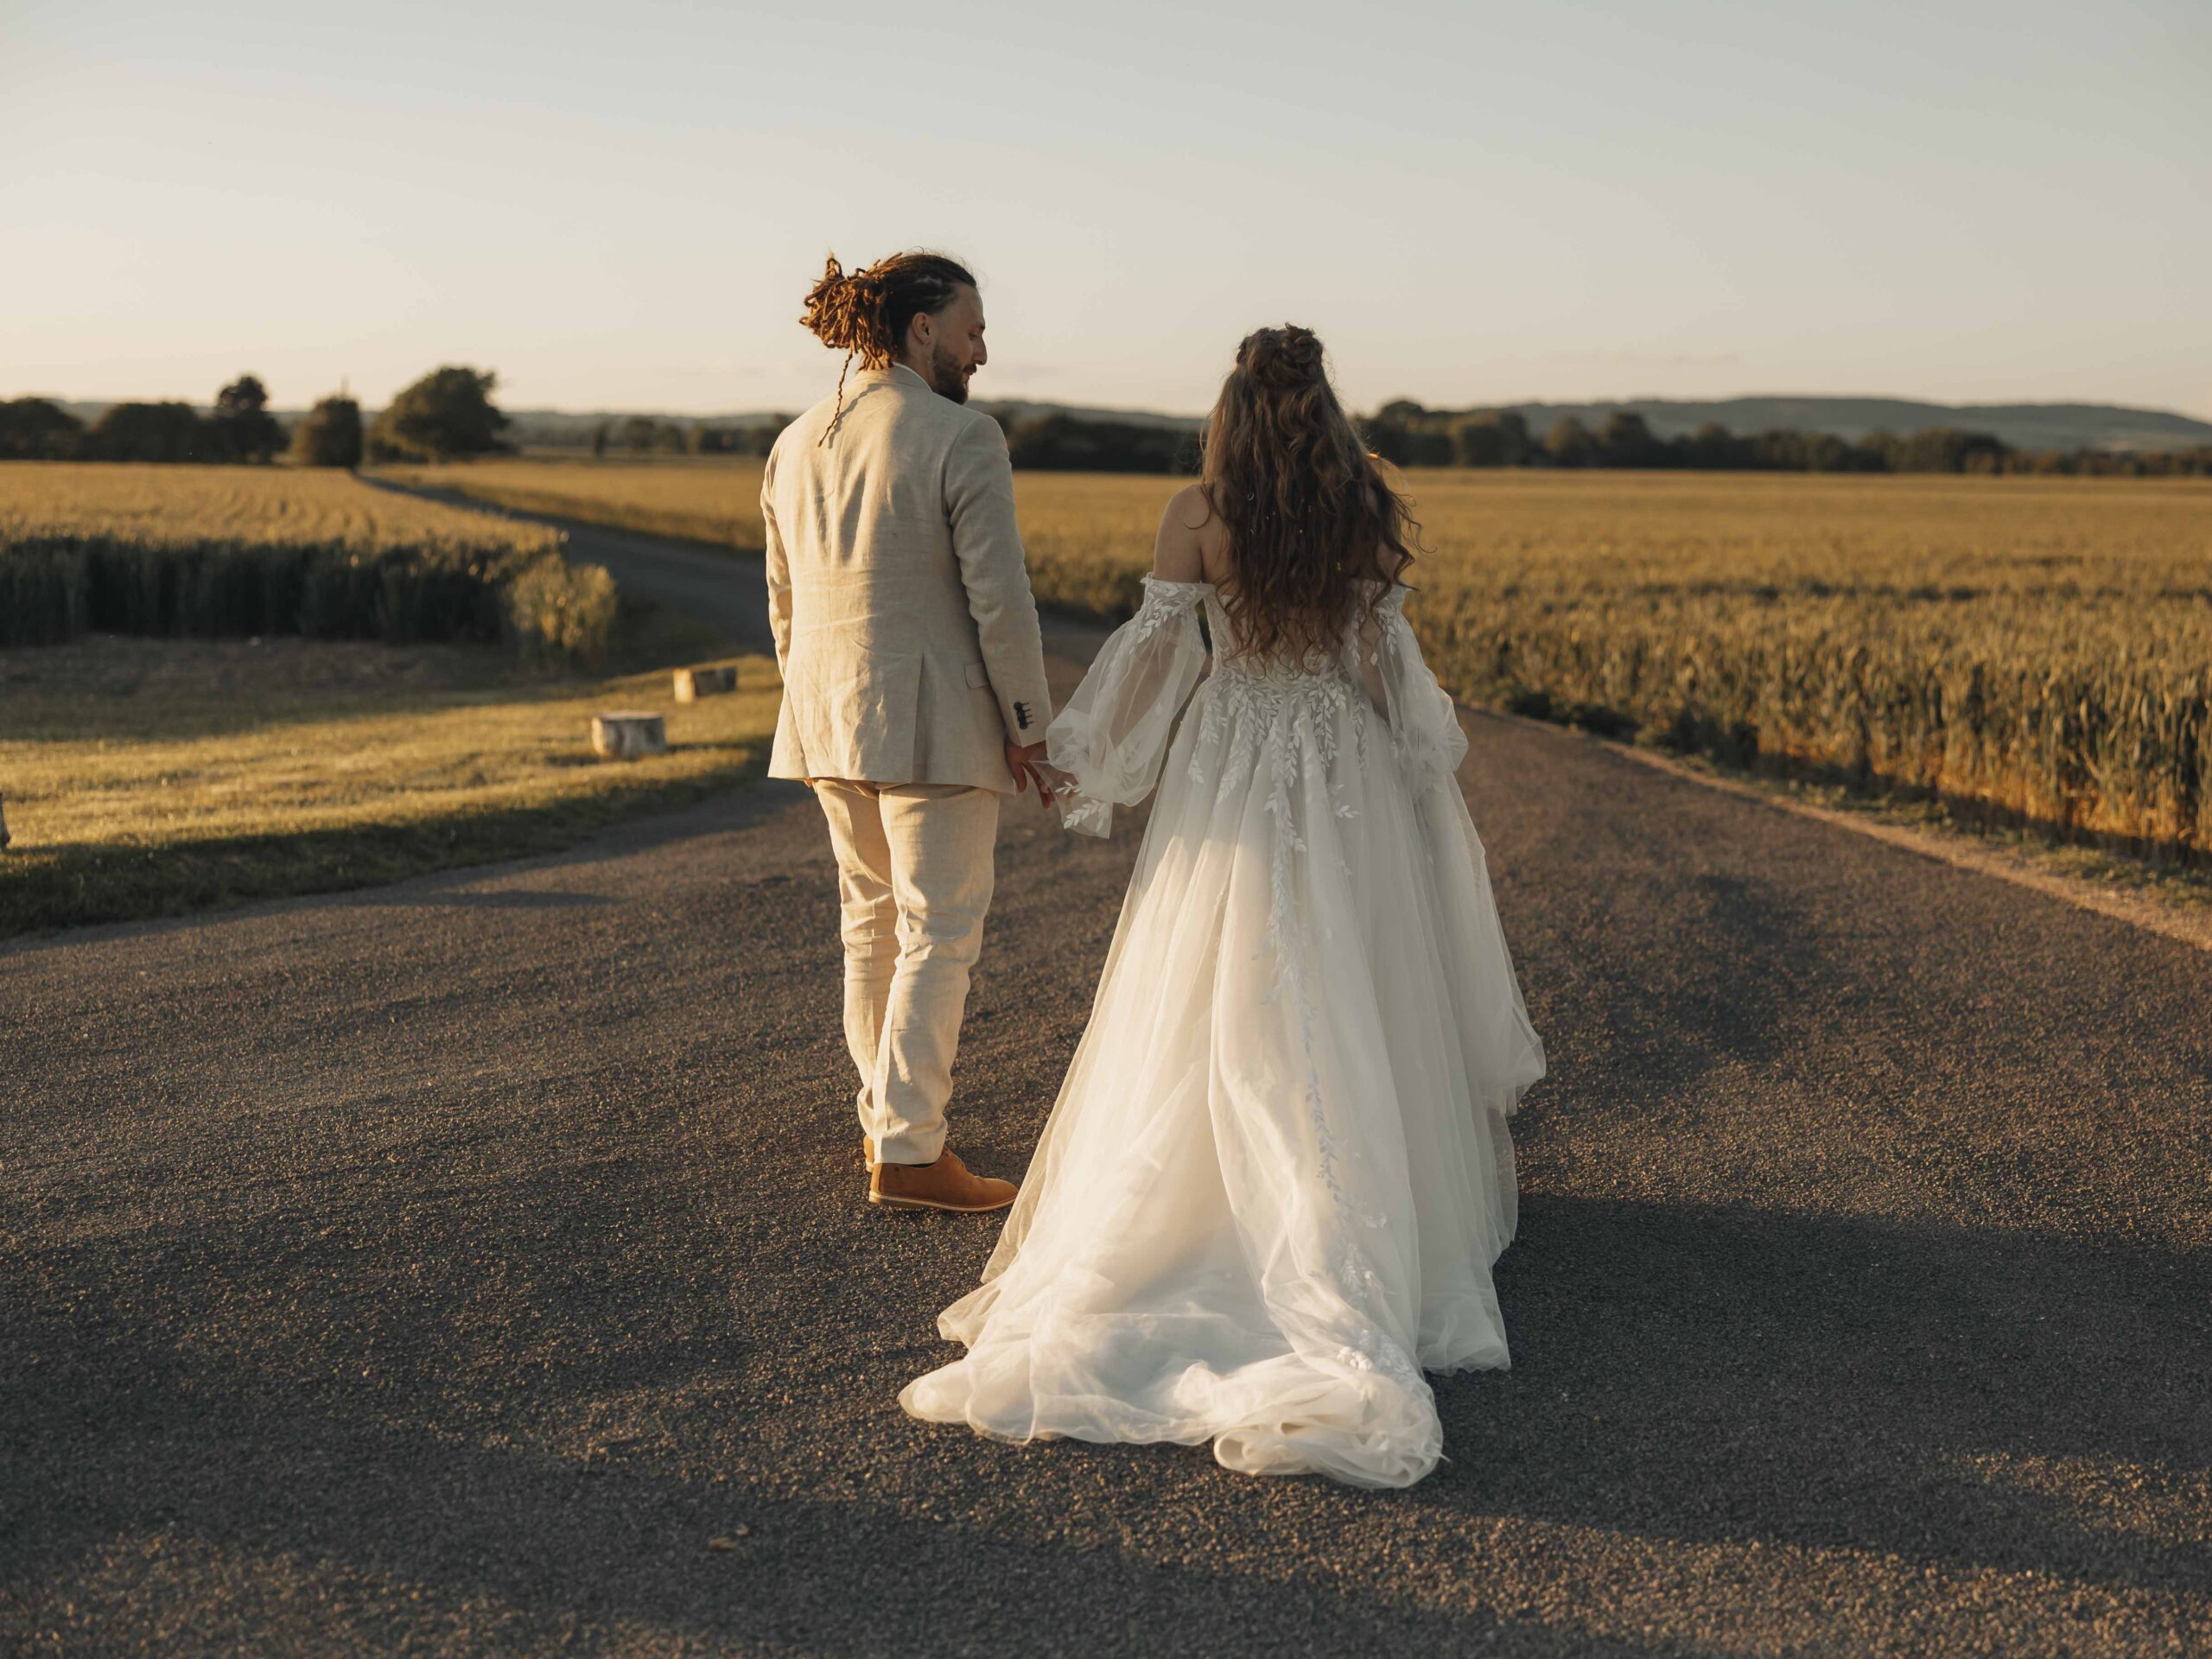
945,375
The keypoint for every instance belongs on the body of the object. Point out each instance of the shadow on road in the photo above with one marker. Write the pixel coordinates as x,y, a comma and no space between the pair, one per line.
453,1282
1727,1374
542,1415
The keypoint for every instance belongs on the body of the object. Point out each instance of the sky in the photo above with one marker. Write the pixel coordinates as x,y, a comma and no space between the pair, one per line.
622,206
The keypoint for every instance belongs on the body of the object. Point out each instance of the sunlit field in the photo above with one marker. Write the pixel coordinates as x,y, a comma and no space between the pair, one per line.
223,682
155,777
244,506
215,551
2034,651
699,500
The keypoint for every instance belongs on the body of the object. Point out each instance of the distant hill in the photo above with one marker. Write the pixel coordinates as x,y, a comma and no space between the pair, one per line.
1017,409
2024,426
561,426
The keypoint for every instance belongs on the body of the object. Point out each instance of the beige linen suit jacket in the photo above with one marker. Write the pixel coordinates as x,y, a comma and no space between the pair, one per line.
904,627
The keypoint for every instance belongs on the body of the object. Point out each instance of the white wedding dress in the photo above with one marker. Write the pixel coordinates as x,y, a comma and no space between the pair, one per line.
1279,1169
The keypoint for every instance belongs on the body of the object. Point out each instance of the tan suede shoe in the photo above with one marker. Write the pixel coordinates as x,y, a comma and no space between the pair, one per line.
945,1185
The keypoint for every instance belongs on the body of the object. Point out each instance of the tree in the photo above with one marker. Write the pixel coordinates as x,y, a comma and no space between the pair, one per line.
1714,447
446,414
1068,443
1877,452
1404,434
1948,449
1569,443
33,428
1491,437
241,428
148,432
329,435
1626,440
599,441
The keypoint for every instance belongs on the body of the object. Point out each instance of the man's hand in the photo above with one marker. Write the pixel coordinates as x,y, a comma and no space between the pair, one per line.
1027,762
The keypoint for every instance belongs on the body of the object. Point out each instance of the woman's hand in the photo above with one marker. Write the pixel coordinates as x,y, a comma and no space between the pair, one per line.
1027,762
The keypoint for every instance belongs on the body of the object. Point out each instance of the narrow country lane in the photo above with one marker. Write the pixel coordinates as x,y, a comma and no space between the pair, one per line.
479,1265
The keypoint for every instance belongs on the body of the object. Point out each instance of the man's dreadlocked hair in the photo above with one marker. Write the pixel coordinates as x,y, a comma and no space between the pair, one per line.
864,313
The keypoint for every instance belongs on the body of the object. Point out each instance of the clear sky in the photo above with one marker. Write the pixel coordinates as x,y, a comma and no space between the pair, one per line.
620,205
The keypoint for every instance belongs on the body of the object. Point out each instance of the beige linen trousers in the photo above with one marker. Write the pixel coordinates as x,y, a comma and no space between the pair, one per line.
907,639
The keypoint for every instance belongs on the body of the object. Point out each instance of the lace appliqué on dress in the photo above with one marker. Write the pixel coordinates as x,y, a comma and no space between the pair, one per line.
1293,717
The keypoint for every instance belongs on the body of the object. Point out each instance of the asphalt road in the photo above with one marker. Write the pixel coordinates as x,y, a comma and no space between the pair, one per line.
479,1265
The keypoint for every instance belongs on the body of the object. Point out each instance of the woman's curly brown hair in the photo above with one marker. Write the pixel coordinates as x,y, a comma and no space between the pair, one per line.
864,313
1306,510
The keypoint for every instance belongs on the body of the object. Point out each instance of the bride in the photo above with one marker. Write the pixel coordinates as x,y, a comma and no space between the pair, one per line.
1278,1171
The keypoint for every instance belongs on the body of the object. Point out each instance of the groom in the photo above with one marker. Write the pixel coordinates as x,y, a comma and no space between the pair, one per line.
914,692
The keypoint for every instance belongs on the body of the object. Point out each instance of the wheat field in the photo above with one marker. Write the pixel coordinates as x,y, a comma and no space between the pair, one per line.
2030,650
223,682
699,501
244,506
212,552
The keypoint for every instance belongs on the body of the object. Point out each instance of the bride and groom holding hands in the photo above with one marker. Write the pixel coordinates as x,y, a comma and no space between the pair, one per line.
1278,1171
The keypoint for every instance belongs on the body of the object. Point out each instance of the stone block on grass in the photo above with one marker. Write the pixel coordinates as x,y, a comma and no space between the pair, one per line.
625,735
693,684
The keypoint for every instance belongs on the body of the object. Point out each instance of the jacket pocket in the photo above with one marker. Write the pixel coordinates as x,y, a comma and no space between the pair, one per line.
978,676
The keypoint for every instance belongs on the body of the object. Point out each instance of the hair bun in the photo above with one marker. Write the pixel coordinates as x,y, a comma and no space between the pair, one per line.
1282,358
865,280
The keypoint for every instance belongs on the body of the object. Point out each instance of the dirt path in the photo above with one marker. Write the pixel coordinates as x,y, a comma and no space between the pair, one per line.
457,1266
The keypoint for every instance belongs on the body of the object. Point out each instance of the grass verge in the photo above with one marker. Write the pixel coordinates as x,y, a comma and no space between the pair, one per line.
156,778
2183,889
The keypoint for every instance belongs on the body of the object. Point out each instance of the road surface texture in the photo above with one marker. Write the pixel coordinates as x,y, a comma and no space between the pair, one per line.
480,1265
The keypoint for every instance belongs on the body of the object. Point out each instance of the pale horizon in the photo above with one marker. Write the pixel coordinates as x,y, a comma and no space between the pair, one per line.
981,397
1474,204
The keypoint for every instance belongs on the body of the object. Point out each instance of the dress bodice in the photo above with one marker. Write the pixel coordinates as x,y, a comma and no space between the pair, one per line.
1115,732
1273,670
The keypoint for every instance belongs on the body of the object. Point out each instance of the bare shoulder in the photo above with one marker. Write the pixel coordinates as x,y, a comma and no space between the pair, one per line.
1179,551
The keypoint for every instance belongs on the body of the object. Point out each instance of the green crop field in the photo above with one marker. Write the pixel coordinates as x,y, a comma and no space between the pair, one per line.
2030,650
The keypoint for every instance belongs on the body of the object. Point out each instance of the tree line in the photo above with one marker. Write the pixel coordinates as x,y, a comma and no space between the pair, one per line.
1407,434
239,427
641,434
446,415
